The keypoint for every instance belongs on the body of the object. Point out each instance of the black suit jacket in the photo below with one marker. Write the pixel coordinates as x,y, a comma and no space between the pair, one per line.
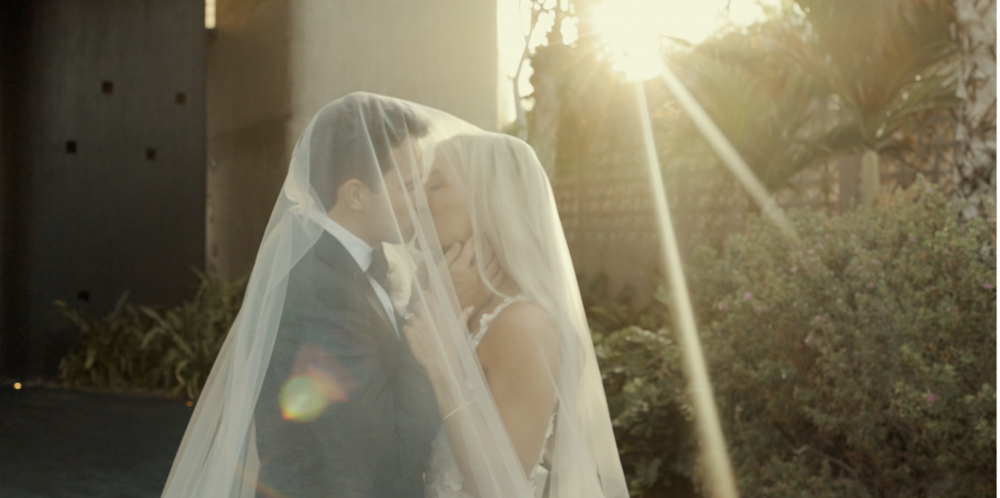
373,440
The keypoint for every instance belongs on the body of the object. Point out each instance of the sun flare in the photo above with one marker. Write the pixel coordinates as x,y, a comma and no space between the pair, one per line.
630,36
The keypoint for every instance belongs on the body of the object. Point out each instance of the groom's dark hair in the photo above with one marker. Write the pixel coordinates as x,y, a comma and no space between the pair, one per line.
350,134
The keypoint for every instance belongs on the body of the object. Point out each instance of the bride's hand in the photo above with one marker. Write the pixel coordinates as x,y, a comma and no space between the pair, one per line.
469,287
432,348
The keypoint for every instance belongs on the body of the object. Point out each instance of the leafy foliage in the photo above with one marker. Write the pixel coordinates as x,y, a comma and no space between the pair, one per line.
862,361
859,362
143,347
819,79
640,366
771,111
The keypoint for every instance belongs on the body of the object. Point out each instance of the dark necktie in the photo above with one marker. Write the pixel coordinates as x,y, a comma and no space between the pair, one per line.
379,269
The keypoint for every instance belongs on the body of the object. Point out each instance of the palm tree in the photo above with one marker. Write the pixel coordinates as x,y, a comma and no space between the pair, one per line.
974,174
884,62
822,79
769,112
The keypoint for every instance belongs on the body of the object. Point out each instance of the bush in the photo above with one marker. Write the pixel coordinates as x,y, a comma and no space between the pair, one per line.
858,362
640,366
142,347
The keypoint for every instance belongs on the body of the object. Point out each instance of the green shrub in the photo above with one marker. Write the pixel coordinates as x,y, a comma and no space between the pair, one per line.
643,381
859,362
142,347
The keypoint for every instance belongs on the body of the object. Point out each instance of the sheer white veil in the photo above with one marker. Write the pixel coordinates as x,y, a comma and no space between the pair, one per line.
513,212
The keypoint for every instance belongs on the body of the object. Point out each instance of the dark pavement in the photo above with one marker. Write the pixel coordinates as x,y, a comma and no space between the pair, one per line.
63,443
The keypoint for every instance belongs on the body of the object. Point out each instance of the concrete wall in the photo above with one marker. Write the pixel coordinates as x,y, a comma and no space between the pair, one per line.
248,112
108,175
274,63
442,54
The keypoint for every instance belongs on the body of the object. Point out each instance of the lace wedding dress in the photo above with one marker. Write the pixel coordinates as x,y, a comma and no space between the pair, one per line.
444,478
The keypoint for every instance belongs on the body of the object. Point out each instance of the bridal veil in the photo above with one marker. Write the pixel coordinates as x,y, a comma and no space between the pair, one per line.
218,456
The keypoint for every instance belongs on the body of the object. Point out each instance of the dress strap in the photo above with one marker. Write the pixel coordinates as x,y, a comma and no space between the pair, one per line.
485,320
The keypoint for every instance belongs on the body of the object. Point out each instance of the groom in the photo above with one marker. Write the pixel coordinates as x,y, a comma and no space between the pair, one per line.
345,410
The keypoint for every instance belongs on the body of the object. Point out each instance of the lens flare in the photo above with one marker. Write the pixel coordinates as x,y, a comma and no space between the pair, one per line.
302,399
316,382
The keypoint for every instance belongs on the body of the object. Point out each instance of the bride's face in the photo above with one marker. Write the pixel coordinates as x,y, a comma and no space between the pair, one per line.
447,201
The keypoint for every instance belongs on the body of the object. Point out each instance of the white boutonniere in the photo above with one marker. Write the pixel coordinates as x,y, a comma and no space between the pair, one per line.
401,272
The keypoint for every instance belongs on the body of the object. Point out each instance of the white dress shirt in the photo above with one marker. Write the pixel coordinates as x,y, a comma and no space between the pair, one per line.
362,254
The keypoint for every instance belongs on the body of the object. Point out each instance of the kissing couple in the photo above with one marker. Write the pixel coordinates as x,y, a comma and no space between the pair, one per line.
412,327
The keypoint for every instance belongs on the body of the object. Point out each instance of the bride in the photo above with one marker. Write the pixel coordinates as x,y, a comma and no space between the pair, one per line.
367,361
489,192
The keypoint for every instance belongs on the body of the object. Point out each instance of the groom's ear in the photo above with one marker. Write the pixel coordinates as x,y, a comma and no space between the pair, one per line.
353,194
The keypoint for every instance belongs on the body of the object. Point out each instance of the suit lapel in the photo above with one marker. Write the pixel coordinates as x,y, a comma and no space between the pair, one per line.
372,298
331,251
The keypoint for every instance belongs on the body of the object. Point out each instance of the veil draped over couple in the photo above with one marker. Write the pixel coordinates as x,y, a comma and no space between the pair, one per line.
412,328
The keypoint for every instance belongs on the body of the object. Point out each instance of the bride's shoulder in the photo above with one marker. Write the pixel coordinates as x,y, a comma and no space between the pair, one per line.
518,329
521,313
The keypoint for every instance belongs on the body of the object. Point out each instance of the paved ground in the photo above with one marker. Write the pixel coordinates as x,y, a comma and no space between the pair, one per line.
56,443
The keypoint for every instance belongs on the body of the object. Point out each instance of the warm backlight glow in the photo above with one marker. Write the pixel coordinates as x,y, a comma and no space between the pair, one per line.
17,385
209,14
691,21
629,32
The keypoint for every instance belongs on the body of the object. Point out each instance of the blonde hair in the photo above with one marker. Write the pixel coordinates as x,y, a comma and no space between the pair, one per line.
508,194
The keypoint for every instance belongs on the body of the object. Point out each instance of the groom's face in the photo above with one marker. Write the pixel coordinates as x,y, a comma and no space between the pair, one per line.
397,181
